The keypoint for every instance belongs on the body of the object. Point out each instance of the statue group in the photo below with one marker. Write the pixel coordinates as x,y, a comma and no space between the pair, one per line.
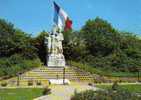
55,57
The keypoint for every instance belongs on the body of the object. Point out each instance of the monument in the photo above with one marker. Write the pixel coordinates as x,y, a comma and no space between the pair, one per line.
55,57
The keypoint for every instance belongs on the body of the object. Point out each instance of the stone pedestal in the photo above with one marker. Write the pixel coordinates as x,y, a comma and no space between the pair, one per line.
56,60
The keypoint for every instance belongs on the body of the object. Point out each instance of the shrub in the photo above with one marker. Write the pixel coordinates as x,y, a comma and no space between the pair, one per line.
30,83
105,95
11,66
4,84
87,95
115,86
46,91
38,83
101,71
88,68
90,84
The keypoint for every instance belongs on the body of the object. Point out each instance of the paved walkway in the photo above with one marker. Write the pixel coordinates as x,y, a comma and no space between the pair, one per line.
64,92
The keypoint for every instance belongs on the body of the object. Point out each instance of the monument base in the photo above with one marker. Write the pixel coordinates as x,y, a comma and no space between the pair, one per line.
56,60
59,81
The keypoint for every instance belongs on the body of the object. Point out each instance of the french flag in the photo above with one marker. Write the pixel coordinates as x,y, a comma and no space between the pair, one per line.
61,18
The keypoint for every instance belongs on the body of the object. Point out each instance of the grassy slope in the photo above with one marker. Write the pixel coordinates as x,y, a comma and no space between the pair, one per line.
20,93
102,72
130,88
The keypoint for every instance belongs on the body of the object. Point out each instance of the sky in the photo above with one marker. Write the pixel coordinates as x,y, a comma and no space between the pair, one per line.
34,16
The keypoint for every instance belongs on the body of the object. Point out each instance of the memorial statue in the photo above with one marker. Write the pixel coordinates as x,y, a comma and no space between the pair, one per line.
55,56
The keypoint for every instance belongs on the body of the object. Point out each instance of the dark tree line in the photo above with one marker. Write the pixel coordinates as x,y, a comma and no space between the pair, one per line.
97,43
17,52
102,46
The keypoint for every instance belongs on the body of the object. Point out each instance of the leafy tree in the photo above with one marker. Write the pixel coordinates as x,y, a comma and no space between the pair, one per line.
97,43
6,32
102,46
14,41
23,44
17,54
40,43
74,46
99,35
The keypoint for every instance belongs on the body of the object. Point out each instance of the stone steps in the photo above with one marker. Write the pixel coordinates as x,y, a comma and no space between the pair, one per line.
71,73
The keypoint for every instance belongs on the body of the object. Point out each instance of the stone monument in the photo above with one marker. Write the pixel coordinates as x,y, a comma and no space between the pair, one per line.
55,57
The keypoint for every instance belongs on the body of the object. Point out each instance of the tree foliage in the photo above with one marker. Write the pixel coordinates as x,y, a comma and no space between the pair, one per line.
74,46
97,44
102,46
17,53
13,41
40,44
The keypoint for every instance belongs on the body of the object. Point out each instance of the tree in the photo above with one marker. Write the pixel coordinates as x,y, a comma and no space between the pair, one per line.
39,43
14,40
74,46
99,35
17,54
23,44
6,32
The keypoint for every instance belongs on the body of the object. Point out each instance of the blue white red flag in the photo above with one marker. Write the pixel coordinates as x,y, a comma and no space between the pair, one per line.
61,18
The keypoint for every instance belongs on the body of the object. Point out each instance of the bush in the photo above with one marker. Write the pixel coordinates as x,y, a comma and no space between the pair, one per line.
38,83
16,63
90,84
105,95
88,68
4,84
46,91
30,83
87,95
101,71
115,86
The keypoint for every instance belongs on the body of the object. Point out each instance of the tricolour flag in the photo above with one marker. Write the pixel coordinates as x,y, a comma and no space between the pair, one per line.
61,18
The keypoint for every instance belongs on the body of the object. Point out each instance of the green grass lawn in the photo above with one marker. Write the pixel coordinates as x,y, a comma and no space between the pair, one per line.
136,88
20,93
124,74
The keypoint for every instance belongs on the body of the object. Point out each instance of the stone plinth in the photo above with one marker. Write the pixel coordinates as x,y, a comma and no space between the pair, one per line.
56,60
